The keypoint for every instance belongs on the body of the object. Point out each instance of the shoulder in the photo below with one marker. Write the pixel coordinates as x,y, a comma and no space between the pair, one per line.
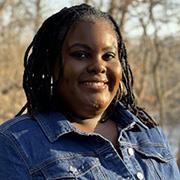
12,156
138,132
18,137
13,131
18,124
19,131
142,134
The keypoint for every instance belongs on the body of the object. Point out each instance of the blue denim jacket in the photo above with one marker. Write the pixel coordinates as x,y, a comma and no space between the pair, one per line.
47,146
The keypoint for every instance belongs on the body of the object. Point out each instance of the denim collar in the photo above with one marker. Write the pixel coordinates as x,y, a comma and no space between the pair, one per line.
55,124
126,119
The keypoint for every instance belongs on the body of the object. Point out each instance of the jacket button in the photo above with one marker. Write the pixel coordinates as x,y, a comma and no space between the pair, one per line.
140,175
131,151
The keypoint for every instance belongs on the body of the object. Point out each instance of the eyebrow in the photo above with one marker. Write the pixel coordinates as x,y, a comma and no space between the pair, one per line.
80,45
85,46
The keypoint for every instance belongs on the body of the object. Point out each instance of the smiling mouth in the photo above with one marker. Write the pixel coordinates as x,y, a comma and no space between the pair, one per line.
96,85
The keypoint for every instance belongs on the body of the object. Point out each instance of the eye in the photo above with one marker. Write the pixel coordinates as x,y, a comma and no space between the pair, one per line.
80,55
109,56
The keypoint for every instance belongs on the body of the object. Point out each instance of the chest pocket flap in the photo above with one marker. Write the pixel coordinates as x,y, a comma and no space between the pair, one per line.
156,151
69,168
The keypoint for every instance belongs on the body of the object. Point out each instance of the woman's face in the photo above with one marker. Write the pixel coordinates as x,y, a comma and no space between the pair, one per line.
91,68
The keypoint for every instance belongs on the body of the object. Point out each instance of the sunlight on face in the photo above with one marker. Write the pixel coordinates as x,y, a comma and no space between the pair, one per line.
92,70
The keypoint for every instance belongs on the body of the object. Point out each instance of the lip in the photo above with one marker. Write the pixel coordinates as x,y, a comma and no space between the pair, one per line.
94,84
94,79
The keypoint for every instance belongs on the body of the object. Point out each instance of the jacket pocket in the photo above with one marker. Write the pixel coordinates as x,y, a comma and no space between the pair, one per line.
156,161
155,151
71,168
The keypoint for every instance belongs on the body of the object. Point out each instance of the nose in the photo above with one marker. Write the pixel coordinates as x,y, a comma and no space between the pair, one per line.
97,65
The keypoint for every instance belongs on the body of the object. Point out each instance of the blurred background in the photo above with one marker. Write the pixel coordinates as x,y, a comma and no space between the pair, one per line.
151,30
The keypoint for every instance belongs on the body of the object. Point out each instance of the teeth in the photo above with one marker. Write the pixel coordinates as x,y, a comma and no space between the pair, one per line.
94,84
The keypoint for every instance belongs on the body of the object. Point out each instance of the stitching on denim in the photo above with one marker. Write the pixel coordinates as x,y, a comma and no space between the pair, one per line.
13,122
47,163
144,144
17,149
156,170
45,128
92,165
163,159
58,177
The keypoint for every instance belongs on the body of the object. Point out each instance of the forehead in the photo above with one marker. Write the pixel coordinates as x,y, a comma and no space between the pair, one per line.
92,31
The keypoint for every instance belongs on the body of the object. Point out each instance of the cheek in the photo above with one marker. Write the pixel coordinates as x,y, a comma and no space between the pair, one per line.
72,71
118,72
115,76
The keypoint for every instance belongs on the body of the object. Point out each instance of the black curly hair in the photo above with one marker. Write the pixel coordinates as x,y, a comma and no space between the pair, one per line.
43,52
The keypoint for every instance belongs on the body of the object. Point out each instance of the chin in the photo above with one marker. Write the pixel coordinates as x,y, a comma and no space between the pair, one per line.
98,107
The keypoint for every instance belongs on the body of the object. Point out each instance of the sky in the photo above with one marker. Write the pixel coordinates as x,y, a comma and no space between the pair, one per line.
165,29
56,5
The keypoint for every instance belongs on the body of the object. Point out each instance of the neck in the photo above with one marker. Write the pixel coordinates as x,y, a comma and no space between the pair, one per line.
85,124
79,119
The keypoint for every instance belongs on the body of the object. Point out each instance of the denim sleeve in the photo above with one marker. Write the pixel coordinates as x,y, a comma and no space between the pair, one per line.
173,169
12,165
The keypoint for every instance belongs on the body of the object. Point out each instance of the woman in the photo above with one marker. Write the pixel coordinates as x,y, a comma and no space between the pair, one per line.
82,120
